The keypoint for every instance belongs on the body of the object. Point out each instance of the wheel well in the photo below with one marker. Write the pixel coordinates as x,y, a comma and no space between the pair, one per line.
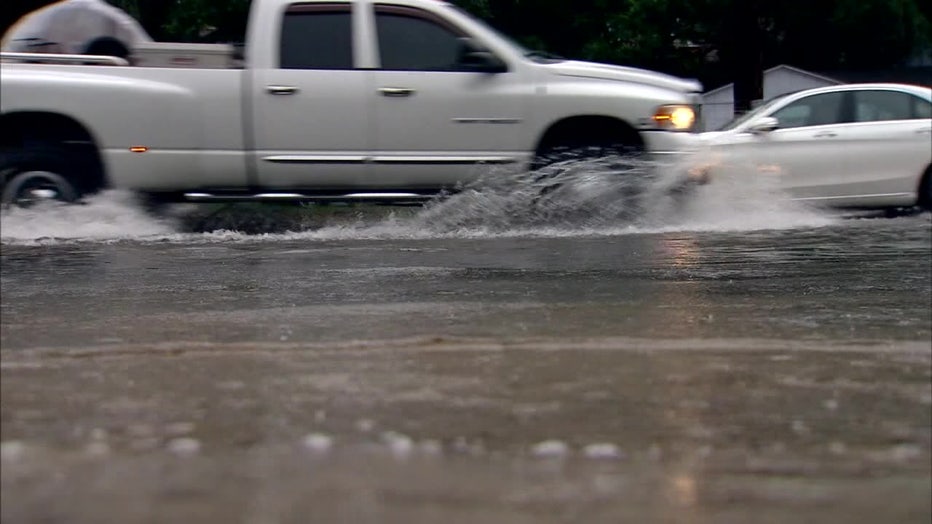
26,130
590,130
107,46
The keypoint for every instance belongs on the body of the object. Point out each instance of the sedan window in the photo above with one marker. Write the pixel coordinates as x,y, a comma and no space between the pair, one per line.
875,106
816,110
795,115
922,108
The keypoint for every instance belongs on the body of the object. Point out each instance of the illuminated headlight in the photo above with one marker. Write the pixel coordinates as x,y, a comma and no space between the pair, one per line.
675,117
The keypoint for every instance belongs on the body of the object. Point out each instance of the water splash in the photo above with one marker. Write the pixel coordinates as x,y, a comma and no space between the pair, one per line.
608,196
108,216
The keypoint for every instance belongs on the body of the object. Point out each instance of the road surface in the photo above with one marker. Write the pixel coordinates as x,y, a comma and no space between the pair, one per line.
772,367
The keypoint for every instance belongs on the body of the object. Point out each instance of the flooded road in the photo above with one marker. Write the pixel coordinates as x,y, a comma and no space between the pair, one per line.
768,366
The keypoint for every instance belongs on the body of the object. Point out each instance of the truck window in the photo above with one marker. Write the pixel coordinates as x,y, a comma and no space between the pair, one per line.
317,36
413,40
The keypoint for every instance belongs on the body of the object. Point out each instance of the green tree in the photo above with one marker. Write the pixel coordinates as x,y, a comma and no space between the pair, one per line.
714,40
190,20
199,20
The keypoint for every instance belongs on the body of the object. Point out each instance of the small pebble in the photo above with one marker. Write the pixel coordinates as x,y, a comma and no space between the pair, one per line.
140,431
800,427
400,445
97,449
178,429
430,447
655,453
905,452
318,442
184,446
602,451
550,449
12,450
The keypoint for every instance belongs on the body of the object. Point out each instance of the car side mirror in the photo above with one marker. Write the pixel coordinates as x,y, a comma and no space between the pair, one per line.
474,57
764,125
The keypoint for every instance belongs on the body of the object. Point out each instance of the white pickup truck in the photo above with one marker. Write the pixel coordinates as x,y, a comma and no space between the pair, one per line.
381,100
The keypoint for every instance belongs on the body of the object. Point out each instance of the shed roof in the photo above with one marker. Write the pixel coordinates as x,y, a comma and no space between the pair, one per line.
786,67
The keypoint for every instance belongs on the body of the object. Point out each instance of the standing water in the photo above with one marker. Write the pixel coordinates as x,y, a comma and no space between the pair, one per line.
578,348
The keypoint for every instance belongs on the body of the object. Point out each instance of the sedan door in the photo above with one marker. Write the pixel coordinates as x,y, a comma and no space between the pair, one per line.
891,146
809,150
437,123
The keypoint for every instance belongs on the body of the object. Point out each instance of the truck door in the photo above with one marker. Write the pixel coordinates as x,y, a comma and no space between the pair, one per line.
310,120
438,123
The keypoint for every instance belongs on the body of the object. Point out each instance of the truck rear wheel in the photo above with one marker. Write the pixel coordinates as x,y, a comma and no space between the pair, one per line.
37,175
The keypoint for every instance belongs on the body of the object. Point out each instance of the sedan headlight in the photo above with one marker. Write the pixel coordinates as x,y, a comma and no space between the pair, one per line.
675,117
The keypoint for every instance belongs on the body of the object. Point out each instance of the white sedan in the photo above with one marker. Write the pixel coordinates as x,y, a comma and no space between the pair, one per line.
847,146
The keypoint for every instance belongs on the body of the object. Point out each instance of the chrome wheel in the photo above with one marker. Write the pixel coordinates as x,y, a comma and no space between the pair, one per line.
29,188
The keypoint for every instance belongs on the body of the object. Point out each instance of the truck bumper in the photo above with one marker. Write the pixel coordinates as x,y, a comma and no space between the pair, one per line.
678,152
670,143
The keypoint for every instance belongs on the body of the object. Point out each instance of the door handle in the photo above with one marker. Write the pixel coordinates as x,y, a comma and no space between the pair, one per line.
396,92
825,134
282,90
924,131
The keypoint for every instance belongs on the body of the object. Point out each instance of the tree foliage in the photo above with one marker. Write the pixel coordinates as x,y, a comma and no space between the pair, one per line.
710,39
190,20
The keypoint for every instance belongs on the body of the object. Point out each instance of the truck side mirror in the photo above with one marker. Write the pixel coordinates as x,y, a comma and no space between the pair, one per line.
474,57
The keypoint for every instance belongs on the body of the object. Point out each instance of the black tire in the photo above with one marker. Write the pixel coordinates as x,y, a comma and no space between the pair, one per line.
560,153
925,191
47,173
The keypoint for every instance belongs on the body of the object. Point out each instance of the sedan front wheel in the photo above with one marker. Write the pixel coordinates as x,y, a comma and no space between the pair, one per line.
925,191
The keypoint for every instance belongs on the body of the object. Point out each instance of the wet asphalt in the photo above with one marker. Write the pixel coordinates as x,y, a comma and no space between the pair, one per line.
770,375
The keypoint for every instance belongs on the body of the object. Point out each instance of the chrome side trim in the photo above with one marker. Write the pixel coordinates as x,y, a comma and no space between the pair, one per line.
277,196
850,197
376,196
442,160
386,159
56,58
487,120
316,159
325,197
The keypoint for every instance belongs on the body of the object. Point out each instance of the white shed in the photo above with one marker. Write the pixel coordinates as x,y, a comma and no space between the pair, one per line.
718,105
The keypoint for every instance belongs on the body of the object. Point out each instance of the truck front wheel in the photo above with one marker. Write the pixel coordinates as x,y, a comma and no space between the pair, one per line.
34,176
